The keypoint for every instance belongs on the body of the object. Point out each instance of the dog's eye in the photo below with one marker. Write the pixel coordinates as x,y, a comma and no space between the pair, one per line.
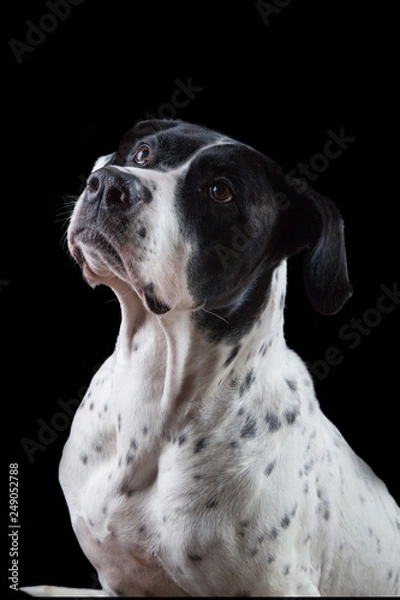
220,192
142,155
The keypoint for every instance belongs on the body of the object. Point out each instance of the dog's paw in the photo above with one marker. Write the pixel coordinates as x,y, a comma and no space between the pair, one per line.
53,590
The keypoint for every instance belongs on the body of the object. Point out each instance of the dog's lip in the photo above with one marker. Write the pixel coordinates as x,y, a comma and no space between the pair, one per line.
79,243
77,254
85,237
145,291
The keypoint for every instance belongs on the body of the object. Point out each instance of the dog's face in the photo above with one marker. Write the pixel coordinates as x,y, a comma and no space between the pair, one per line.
189,218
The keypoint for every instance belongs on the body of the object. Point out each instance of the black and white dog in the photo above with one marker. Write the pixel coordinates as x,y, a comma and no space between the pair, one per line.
199,462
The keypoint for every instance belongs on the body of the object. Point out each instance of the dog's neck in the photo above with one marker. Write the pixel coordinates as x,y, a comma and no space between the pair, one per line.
181,351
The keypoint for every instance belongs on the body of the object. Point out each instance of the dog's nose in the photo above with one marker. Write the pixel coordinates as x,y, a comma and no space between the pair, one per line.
116,189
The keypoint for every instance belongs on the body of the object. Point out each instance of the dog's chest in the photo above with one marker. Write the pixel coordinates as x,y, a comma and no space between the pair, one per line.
138,488
107,472
112,435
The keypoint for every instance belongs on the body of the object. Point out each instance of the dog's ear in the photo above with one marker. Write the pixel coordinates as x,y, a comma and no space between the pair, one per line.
306,219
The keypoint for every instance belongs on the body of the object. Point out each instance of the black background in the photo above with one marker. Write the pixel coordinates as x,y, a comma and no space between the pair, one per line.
279,86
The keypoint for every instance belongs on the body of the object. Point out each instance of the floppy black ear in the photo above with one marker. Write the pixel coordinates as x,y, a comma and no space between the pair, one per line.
306,219
325,265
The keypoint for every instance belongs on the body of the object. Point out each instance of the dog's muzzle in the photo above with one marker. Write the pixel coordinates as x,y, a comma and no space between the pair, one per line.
109,211
109,187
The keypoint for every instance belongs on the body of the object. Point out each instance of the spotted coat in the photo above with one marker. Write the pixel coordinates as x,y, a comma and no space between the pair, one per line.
200,462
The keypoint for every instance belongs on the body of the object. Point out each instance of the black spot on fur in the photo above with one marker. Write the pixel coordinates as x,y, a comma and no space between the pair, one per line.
212,503
182,439
200,445
194,557
249,429
269,468
242,528
323,508
273,422
233,384
84,458
273,534
292,384
129,458
285,522
309,466
232,355
378,545
264,347
247,382
291,415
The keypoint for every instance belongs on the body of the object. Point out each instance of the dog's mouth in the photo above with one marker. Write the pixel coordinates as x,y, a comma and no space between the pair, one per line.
78,255
95,255
100,262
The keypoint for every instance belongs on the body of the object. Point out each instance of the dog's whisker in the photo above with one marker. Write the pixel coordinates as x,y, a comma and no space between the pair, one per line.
122,297
214,314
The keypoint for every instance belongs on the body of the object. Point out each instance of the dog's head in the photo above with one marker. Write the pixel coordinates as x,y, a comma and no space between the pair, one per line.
190,218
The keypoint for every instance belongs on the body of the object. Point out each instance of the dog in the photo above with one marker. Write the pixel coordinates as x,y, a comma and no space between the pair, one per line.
199,461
